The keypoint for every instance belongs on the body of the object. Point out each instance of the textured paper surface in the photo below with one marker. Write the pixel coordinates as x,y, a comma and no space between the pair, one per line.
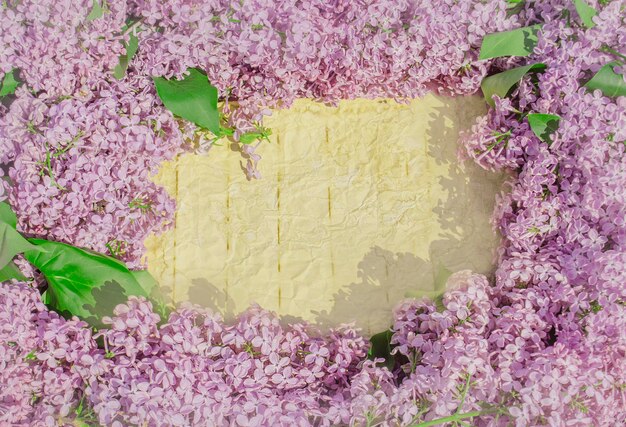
358,206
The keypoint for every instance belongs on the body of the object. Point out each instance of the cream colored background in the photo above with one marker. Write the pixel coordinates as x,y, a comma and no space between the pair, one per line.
358,206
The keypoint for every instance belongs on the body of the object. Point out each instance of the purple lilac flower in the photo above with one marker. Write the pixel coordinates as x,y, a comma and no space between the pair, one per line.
540,344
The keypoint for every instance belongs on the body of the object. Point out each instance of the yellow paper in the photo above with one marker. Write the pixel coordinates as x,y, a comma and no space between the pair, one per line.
358,206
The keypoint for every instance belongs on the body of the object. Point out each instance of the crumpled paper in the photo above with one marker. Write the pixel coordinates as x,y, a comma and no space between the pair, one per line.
359,206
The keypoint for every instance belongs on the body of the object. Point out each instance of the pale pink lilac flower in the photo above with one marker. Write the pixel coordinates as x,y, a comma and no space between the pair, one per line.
543,341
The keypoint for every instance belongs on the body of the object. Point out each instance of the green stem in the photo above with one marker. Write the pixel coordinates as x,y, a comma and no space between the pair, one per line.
613,52
457,417
132,26
465,390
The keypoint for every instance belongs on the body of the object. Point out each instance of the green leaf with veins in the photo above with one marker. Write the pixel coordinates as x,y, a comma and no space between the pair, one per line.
192,98
585,12
544,125
608,81
81,282
518,42
502,83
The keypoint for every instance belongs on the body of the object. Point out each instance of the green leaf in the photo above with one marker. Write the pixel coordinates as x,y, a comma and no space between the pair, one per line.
381,348
44,298
544,125
9,83
12,243
501,84
81,282
585,12
250,137
192,98
441,277
153,290
513,7
130,21
11,271
608,81
146,281
97,10
7,215
131,50
518,42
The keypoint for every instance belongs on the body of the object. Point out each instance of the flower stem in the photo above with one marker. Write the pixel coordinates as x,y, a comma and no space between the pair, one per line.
464,393
457,417
607,49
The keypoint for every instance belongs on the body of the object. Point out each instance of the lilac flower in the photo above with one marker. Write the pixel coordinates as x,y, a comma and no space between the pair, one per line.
540,344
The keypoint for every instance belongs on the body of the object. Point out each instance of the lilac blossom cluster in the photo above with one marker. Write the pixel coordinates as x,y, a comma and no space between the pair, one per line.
81,169
543,344
45,360
79,145
263,53
467,356
191,370
560,283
